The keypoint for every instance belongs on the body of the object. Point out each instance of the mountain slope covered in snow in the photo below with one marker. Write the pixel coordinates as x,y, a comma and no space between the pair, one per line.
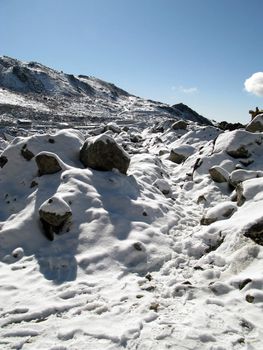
34,91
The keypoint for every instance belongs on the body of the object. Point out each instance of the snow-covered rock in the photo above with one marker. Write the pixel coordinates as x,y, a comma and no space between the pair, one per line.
181,153
218,174
221,211
256,124
103,153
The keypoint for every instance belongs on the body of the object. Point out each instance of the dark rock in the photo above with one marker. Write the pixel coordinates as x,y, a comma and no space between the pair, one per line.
3,161
103,153
180,125
256,125
250,298
33,184
51,140
176,157
47,164
244,283
240,152
255,232
28,155
239,194
138,246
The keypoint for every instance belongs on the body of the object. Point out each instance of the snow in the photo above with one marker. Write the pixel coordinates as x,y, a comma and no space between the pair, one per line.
134,267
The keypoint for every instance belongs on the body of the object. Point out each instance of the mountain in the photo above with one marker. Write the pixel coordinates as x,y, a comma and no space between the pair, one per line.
34,91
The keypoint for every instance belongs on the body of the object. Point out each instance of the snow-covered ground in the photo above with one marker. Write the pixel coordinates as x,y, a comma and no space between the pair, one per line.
133,267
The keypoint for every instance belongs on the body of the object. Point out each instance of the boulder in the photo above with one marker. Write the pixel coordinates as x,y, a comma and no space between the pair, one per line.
180,125
256,124
255,232
241,175
218,174
47,163
181,153
54,213
221,211
103,153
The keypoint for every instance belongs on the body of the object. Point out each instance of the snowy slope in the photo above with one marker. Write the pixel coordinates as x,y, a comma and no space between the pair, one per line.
34,91
134,268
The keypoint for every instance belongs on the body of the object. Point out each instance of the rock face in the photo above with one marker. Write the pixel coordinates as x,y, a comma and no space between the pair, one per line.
256,125
47,163
54,213
103,153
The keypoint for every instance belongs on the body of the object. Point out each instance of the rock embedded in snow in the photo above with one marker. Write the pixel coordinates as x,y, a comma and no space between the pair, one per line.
103,153
241,175
180,125
256,124
218,174
112,127
255,232
54,213
163,186
26,153
3,161
181,153
47,163
220,212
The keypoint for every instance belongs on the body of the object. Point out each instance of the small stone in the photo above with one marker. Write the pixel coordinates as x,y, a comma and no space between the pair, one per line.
28,155
154,307
137,246
33,184
244,283
250,298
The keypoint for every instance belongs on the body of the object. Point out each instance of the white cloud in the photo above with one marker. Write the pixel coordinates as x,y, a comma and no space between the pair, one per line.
254,84
190,90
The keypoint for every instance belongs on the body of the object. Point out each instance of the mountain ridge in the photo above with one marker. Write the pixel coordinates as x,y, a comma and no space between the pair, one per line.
76,98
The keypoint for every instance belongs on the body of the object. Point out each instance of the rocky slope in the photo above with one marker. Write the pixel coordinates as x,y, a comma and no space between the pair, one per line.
157,247
44,95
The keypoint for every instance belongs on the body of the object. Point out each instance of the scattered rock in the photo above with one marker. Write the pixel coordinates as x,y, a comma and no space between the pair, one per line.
33,184
28,155
256,124
218,174
112,127
47,163
154,307
219,212
3,161
51,140
103,153
180,124
163,186
54,213
240,152
250,298
241,175
244,283
180,154
255,232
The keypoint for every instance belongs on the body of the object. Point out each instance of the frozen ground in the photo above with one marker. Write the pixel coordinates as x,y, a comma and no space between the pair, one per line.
133,268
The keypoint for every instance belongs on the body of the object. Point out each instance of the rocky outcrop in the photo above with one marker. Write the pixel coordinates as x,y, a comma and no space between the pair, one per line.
103,153
47,163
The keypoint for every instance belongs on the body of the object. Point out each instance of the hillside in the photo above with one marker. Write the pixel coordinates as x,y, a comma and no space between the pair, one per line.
44,95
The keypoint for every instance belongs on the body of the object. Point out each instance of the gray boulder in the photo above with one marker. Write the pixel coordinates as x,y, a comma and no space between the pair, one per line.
47,163
103,153
54,213
180,125
218,174
256,124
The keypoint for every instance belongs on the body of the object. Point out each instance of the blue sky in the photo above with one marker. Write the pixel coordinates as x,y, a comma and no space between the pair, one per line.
198,52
